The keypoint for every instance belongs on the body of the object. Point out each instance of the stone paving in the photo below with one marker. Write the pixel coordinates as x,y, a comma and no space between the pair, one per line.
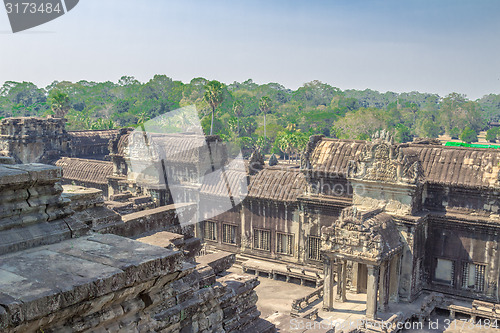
276,296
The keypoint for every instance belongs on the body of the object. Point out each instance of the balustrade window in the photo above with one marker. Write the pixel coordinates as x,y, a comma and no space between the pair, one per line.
210,231
262,239
229,233
314,248
284,244
473,276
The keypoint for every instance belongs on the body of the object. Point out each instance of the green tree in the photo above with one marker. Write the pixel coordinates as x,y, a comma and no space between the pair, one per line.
360,124
59,103
248,126
403,134
299,143
468,135
142,118
427,128
238,112
492,134
264,106
214,97
284,141
215,126
454,133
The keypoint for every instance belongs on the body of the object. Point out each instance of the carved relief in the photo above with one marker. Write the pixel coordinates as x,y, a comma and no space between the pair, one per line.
358,233
381,161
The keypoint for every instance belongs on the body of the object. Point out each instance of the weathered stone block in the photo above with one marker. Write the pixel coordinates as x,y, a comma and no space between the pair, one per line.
219,261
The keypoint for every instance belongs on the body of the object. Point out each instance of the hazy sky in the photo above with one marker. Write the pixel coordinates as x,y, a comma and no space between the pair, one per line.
437,46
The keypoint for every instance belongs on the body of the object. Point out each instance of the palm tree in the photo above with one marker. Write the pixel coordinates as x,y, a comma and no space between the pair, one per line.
265,106
214,97
142,118
238,112
59,102
299,143
285,145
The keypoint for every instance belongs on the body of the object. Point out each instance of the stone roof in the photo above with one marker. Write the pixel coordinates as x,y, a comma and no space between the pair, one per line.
176,148
89,138
458,166
220,184
333,155
180,148
452,166
87,171
277,183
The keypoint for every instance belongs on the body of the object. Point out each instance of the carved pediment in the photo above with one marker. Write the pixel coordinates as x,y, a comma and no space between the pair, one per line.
384,162
369,235
141,147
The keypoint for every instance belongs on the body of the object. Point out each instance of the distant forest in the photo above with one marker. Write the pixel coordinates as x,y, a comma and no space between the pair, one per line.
268,116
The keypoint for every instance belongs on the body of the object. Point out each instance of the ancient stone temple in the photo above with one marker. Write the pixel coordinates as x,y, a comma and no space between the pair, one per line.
91,144
394,221
397,222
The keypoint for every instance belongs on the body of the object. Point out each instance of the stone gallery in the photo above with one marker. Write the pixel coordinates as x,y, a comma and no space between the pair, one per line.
93,233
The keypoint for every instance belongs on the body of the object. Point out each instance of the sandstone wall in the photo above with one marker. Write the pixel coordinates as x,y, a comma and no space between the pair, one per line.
34,140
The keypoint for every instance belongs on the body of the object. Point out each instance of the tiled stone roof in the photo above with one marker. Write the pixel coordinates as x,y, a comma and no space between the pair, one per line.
83,170
332,155
224,183
92,137
277,183
175,148
452,166
180,148
459,166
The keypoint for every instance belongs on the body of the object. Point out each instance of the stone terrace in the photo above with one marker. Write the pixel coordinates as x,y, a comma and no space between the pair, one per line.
56,275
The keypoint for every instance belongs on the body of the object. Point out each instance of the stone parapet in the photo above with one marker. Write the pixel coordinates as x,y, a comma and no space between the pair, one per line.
164,218
33,212
88,205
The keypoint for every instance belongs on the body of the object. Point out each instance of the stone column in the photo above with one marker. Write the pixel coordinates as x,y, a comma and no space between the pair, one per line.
328,297
372,291
383,287
355,272
343,295
340,282
394,279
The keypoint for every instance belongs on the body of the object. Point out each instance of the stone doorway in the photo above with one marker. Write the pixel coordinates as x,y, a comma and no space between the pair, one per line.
362,279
